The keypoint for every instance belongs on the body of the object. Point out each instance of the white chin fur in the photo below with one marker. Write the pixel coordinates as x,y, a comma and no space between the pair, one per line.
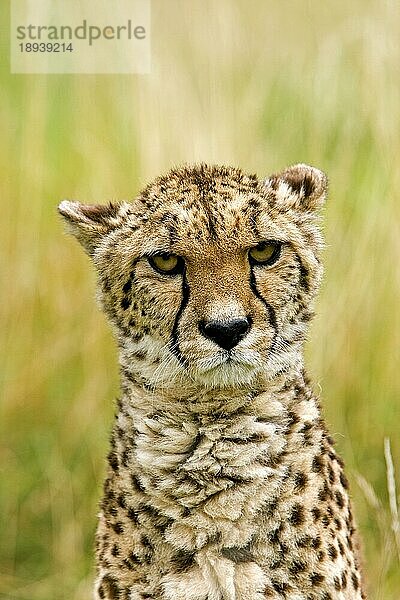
225,374
226,369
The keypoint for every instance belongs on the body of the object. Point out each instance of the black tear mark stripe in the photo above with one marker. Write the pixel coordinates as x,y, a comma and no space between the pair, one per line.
304,274
174,335
270,309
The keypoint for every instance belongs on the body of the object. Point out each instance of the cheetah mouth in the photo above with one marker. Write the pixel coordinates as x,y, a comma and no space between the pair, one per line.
225,370
229,361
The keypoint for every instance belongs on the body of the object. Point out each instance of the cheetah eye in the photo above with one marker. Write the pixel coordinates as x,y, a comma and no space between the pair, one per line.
167,264
265,253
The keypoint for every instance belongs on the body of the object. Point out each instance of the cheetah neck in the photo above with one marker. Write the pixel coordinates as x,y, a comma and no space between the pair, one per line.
213,445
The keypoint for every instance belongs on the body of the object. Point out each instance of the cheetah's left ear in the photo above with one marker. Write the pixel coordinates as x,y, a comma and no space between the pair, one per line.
90,223
299,187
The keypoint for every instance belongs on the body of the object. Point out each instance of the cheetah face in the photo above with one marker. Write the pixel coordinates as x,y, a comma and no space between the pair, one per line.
209,274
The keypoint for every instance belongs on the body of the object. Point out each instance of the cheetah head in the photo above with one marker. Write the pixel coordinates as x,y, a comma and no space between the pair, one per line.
208,276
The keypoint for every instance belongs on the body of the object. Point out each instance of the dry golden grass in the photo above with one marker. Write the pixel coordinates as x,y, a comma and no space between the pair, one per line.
256,83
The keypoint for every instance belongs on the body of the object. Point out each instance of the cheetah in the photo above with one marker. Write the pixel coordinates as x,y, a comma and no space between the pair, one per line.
223,482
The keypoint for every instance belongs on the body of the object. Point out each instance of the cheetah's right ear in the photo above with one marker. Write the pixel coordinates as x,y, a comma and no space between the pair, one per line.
89,223
299,187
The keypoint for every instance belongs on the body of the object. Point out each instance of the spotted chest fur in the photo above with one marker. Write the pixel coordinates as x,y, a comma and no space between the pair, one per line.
223,482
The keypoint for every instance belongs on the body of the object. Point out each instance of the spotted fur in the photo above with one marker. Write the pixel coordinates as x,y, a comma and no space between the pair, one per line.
223,482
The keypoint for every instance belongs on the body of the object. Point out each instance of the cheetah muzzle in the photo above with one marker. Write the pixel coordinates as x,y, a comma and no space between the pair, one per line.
223,483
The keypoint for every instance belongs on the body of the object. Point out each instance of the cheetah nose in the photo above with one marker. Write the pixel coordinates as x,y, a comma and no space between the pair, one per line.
226,334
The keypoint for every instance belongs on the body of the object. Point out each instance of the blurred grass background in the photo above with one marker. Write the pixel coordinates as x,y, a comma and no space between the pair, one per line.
258,84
